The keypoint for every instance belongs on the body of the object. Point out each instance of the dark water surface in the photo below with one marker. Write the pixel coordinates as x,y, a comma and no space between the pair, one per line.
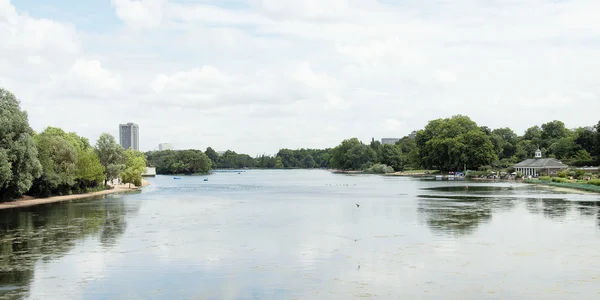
299,235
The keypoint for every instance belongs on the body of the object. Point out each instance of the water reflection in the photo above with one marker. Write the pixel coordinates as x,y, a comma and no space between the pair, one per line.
45,233
459,210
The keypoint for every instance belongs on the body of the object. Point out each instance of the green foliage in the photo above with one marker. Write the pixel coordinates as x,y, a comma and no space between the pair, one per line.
379,169
449,144
563,174
351,154
186,162
545,178
19,165
559,179
594,182
391,155
111,155
135,166
278,163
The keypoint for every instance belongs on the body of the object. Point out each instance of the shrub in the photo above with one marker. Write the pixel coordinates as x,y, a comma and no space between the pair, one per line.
559,179
546,178
594,182
380,169
563,174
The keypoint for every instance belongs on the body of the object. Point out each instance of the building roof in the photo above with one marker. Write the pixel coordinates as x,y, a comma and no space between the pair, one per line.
541,163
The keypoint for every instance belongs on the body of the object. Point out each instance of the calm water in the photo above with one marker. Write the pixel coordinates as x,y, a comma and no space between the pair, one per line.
300,235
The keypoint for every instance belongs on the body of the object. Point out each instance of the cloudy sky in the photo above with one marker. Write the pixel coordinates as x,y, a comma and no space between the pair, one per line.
257,75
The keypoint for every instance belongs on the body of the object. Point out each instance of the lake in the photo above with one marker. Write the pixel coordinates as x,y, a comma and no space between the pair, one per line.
298,234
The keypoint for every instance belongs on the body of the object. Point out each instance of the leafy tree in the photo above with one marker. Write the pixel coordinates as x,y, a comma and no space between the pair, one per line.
391,155
449,144
111,156
88,167
180,162
278,163
351,154
19,164
58,158
308,162
213,155
135,166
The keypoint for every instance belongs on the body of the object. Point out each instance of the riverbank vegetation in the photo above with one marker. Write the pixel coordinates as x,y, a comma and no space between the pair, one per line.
449,144
55,162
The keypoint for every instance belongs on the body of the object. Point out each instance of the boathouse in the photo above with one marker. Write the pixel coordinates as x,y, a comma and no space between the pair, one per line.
537,166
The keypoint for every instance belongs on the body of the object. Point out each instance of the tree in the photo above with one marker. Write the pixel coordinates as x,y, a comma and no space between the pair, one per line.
391,155
449,144
19,164
278,163
135,166
111,156
308,162
213,155
88,167
58,158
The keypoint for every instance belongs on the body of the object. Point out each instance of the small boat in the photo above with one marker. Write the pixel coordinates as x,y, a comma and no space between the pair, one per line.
205,179
176,177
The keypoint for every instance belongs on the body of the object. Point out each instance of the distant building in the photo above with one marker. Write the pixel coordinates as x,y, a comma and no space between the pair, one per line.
413,134
165,146
150,172
129,136
537,166
389,141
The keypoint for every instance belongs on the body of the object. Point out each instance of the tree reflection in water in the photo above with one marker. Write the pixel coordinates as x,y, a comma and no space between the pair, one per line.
28,235
456,210
459,215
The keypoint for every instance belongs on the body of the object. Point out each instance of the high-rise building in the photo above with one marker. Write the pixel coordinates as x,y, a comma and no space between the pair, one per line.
129,136
165,146
389,141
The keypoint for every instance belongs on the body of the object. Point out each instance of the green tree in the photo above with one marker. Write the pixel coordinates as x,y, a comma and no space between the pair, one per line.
88,167
111,156
308,162
391,155
19,165
213,155
135,166
449,144
278,163
58,158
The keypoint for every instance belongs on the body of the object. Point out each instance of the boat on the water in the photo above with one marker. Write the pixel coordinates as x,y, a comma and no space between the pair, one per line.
176,177
205,179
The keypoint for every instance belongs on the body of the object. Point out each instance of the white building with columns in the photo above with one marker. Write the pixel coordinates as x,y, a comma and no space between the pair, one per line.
538,166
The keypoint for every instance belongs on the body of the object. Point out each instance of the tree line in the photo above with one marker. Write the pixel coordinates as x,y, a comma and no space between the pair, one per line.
448,144
55,162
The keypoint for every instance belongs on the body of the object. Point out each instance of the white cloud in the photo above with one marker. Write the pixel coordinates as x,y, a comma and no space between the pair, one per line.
444,76
288,69
140,13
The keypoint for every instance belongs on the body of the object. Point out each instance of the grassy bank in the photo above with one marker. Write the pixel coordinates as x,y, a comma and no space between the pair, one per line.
570,185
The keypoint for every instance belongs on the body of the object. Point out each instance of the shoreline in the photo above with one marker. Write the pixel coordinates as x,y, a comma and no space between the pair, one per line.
565,187
27,201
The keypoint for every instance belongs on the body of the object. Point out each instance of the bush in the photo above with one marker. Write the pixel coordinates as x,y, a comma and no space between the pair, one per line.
563,174
546,178
559,179
380,169
594,182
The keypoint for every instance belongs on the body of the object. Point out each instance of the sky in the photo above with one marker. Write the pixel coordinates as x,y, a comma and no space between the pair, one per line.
254,76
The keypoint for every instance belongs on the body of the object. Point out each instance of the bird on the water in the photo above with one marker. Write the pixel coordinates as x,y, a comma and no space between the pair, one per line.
357,205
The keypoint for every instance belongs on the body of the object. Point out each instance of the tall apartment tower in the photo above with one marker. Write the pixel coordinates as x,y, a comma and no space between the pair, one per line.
129,136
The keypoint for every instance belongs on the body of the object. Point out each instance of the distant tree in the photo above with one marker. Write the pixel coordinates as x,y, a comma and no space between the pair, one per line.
278,163
135,166
213,155
19,165
391,155
111,156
